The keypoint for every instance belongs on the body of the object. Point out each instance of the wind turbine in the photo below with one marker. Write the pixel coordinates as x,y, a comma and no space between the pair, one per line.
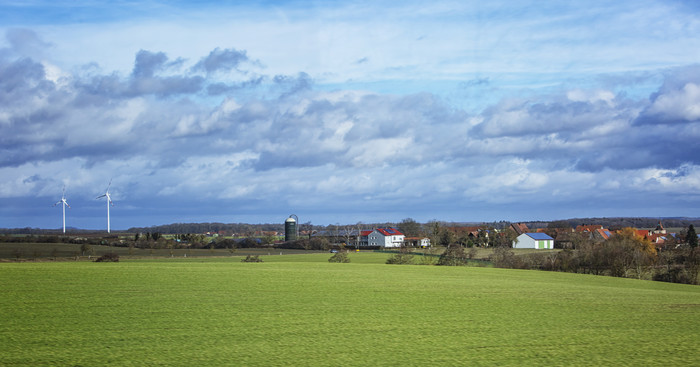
109,202
64,204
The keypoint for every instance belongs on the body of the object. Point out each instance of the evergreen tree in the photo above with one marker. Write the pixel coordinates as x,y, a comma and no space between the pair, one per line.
692,237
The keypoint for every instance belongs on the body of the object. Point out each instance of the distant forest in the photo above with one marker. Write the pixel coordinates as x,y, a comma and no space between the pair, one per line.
246,229
618,223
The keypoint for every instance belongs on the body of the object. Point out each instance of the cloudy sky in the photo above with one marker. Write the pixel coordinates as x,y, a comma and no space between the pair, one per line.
341,112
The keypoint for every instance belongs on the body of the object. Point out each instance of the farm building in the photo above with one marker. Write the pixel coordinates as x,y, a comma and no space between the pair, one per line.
417,241
385,237
534,240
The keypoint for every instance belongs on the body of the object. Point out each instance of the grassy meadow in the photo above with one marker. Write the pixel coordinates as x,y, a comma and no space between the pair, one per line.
31,251
302,310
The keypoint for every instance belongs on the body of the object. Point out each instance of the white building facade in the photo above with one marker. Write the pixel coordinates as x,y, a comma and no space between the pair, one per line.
422,242
385,237
534,240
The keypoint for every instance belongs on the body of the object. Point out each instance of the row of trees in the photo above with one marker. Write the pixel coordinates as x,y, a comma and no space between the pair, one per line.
617,223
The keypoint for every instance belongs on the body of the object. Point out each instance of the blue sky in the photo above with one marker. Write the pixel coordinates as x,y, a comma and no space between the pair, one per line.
342,112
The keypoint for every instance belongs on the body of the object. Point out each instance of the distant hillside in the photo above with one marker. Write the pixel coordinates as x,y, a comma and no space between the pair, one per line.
246,229
239,228
618,222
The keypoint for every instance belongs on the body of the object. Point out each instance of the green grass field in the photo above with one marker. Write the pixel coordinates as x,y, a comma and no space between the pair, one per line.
302,310
65,251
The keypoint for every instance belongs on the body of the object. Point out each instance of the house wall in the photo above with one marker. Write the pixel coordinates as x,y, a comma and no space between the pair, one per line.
377,239
525,241
396,241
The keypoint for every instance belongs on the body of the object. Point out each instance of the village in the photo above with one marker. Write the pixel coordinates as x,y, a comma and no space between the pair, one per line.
415,235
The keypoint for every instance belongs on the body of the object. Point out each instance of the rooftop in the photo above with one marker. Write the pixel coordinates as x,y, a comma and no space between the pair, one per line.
538,236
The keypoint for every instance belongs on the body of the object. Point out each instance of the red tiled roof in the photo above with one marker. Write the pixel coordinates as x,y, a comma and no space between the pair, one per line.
643,233
603,233
389,231
520,228
588,228
657,238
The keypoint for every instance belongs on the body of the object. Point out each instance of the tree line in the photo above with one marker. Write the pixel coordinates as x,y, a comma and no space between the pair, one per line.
625,254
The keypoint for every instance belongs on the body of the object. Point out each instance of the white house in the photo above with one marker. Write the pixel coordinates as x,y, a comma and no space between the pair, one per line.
422,242
385,237
534,240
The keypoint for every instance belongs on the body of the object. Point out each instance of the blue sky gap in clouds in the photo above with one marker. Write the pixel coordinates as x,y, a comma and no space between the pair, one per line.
346,112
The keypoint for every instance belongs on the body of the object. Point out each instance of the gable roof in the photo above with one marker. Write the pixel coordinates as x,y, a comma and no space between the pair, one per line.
519,228
588,227
605,233
538,236
460,230
642,233
389,231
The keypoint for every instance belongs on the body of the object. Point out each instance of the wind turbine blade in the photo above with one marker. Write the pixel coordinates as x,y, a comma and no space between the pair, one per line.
65,202
101,196
58,202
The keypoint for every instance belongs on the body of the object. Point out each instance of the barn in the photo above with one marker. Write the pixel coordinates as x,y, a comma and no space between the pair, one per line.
534,240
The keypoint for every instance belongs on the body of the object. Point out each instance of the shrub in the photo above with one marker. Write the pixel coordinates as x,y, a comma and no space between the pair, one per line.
400,259
248,243
454,255
86,248
109,257
504,257
252,259
404,257
674,275
339,257
426,260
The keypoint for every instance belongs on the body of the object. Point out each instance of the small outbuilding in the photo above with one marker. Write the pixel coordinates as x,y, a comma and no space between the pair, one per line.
534,240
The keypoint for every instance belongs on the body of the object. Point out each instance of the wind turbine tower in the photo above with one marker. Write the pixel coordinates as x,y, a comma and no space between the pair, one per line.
64,204
109,202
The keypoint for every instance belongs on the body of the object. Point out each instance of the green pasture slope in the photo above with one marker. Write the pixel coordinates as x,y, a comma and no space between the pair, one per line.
302,310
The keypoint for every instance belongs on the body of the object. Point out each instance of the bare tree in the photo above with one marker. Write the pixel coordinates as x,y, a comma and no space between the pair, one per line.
409,227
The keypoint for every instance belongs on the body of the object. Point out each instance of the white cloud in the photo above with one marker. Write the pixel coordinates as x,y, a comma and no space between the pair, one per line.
579,95
683,104
283,130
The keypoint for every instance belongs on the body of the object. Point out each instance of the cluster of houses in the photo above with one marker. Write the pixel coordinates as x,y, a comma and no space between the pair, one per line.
392,237
541,240
377,238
